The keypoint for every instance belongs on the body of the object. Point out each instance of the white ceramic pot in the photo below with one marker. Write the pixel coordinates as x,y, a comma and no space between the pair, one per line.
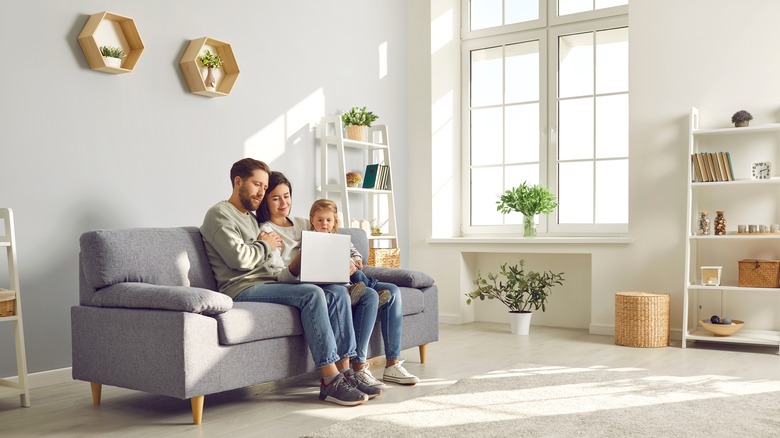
520,322
112,62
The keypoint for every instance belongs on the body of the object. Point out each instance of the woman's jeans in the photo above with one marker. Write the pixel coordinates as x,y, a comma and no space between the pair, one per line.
326,315
391,315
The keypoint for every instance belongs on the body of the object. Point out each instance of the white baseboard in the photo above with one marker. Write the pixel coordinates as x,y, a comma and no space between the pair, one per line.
609,330
46,378
449,319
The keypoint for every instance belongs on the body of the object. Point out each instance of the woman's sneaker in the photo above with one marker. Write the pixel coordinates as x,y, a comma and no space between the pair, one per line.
371,391
398,374
384,297
339,391
356,290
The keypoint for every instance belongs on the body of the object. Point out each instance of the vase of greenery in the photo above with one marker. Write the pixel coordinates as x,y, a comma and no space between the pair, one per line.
112,56
356,120
212,62
528,200
741,118
520,291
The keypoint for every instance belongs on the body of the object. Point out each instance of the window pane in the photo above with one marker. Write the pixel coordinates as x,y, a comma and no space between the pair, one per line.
576,65
612,61
575,193
486,136
522,133
612,192
522,72
575,125
612,126
566,7
486,187
519,11
485,13
487,76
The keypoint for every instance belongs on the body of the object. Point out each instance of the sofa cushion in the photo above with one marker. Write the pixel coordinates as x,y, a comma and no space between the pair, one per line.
413,301
400,277
250,321
152,296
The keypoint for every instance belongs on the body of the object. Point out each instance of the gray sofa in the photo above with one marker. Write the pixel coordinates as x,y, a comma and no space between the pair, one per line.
149,319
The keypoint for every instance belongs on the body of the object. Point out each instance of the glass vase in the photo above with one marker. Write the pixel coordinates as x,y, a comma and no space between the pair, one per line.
529,227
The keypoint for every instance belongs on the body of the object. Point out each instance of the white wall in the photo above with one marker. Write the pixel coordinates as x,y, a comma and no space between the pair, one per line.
81,149
718,55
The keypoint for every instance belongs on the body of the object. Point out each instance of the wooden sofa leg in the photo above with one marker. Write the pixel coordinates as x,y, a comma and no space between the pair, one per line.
197,408
97,389
423,352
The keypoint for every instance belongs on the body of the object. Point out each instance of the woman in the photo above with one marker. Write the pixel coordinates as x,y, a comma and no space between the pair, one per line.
274,211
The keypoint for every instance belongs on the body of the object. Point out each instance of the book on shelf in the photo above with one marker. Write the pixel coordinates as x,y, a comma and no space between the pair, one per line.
729,169
703,167
369,178
377,177
712,167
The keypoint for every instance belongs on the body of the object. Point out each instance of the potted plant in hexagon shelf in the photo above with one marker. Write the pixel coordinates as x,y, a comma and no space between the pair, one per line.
528,200
356,121
112,56
521,291
211,61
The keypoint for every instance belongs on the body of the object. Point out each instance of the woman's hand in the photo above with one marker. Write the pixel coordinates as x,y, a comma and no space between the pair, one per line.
271,238
295,265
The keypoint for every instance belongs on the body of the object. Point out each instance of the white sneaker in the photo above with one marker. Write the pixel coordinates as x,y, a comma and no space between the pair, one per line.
398,374
368,379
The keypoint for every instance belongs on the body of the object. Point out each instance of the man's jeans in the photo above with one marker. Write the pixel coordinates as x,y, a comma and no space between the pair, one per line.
326,315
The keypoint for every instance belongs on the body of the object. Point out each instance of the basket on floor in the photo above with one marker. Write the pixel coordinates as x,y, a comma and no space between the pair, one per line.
642,319
384,257
7,302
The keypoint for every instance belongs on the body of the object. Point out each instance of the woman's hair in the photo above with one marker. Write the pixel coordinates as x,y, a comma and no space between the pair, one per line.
274,179
325,204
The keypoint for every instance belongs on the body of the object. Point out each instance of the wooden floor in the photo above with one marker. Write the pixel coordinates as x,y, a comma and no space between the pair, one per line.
291,408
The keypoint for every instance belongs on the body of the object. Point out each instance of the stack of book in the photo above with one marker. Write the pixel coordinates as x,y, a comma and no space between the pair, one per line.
377,177
711,167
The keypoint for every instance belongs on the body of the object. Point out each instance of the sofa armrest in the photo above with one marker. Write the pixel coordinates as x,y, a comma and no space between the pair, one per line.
400,277
152,296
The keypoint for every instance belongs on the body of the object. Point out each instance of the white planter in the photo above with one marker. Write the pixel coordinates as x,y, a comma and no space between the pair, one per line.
520,322
112,62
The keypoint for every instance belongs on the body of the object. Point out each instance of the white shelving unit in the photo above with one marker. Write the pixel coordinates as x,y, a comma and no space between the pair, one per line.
357,203
745,201
20,385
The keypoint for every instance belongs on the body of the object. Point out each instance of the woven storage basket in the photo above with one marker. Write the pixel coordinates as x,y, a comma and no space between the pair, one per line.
642,319
384,257
7,302
759,273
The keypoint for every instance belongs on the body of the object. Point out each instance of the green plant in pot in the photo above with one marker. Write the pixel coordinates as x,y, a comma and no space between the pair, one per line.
112,55
521,291
212,62
356,120
528,200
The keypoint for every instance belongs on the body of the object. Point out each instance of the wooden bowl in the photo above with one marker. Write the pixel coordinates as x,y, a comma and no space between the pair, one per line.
723,329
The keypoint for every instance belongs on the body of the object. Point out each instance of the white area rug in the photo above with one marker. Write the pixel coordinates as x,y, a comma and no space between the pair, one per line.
542,401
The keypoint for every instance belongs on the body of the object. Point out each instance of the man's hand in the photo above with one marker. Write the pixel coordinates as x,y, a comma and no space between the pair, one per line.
272,239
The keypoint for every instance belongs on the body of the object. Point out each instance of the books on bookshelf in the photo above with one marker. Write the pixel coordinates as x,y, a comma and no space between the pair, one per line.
377,177
712,167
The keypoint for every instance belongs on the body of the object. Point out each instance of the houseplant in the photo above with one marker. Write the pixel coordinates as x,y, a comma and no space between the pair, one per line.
211,61
528,200
357,120
741,118
112,56
521,291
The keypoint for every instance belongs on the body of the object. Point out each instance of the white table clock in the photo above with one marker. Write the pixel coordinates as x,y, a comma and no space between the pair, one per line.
760,170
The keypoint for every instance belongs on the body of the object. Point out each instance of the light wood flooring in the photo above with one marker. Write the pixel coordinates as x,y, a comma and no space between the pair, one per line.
291,408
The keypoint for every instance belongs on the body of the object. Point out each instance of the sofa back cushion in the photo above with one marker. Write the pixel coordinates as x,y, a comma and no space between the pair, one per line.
359,239
161,256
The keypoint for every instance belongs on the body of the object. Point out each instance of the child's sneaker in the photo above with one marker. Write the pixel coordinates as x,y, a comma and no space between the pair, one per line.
371,391
398,374
384,297
339,391
368,379
356,290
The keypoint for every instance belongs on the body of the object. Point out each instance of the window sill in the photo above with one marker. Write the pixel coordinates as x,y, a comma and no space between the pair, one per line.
589,240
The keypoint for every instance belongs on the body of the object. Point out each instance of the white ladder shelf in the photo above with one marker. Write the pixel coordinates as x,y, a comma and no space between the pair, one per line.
20,385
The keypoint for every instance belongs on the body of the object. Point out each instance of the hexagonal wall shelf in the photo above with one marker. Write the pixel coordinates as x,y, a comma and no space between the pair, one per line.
109,29
194,72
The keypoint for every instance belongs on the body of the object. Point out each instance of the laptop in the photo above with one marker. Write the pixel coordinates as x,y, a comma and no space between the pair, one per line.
324,257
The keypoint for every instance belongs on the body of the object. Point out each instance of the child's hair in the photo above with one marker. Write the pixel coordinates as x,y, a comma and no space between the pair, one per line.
325,204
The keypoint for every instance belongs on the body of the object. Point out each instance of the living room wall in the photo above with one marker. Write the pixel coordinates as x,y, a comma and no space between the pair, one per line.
82,149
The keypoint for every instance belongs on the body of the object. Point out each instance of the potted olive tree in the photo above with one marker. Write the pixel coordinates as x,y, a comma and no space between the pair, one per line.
212,62
112,56
528,200
520,291
356,120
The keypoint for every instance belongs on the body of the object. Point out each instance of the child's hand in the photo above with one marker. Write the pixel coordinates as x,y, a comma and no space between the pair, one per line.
358,264
352,268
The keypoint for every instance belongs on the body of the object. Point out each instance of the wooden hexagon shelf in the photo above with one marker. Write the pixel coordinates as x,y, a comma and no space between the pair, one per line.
226,75
109,29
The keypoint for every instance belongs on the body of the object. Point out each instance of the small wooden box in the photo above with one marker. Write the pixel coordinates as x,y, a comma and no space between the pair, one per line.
759,273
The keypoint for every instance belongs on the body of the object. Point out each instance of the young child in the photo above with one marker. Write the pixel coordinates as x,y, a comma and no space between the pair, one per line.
323,218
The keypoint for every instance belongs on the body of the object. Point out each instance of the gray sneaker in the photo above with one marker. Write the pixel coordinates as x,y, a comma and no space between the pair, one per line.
371,391
341,392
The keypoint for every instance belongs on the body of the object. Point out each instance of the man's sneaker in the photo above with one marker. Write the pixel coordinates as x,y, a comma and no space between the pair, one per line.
370,391
341,392
368,379
356,291
398,374
384,297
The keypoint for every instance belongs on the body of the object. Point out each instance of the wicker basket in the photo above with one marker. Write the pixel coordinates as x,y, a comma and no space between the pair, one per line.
7,302
642,319
384,257
356,132
759,273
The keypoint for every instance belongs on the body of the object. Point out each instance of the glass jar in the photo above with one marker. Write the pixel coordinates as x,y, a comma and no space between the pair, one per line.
720,224
704,223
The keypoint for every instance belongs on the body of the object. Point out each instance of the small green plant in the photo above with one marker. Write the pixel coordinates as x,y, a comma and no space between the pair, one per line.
112,52
528,200
358,116
210,60
521,291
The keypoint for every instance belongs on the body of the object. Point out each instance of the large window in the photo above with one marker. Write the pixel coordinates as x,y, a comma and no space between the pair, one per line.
546,104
